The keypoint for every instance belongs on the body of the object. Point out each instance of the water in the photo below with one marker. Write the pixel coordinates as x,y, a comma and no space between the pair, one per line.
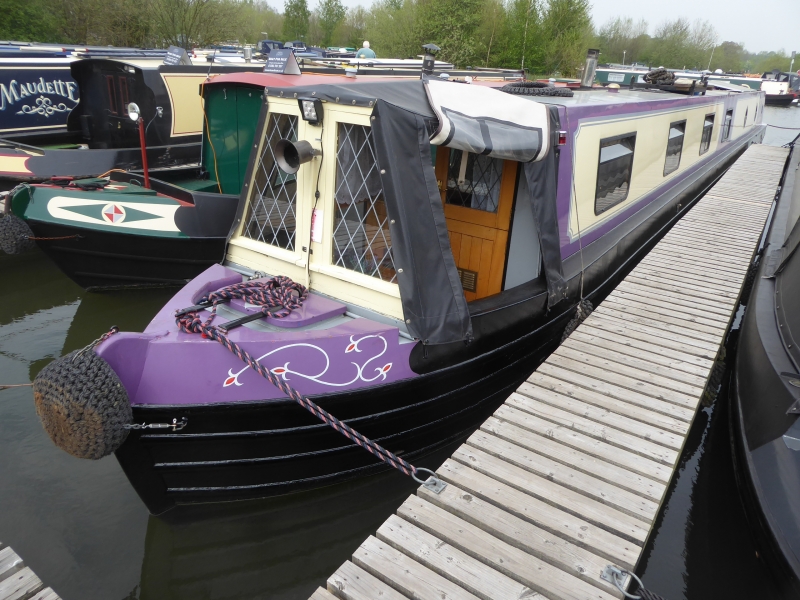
82,529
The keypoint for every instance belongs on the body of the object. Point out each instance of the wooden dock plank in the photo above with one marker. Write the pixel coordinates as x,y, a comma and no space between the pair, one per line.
634,381
644,351
351,582
590,398
615,391
405,574
590,477
569,474
625,364
517,532
549,402
17,581
549,517
575,503
321,594
20,585
534,573
446,558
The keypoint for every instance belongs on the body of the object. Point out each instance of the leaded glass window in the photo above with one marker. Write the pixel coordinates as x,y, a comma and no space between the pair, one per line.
271,214
473,181
361,238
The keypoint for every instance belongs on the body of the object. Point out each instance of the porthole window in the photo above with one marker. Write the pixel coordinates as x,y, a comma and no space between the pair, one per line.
677,132
614,171
708,128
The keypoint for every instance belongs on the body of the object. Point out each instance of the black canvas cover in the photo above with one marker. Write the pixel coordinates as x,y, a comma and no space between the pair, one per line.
434,306
542,178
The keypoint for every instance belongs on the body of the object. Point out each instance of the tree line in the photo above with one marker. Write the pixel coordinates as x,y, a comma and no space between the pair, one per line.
546,37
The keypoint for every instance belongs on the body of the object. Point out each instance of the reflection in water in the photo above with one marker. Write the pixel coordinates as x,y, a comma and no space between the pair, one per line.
279,549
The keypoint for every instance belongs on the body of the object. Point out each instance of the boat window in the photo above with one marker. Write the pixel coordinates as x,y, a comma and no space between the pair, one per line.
271,213
112,97
361,238
614,171
674,147
123,94
746,110
726,129
473,181
708,127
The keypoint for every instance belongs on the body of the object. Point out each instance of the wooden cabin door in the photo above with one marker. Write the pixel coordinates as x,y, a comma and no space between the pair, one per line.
478,197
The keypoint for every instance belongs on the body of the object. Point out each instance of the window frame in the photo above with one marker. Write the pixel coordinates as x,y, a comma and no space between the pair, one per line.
613,138
680,152
113,103
271,257
707,142
727,125
322,260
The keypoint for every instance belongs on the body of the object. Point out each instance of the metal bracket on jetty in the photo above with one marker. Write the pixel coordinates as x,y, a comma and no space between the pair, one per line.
569,474
18,582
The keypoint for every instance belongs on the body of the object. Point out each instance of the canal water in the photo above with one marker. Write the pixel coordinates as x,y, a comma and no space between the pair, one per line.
82,529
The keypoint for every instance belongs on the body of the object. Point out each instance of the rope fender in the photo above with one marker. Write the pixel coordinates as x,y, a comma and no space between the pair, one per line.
83,406
280,292
15,235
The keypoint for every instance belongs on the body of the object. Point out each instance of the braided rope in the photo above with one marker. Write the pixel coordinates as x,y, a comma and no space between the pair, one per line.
270,294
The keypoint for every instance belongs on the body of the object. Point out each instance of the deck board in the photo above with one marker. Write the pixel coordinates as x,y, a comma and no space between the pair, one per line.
19,582
569,474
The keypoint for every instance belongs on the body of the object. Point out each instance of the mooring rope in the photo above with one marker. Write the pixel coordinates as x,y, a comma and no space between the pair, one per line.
280,292
14,385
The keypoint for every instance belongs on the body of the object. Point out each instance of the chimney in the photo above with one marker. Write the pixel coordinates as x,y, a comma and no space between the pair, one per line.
591,66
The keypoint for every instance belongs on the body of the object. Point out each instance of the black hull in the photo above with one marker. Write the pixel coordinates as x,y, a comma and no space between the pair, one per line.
762,425
780,99
99,260
260,449
257,450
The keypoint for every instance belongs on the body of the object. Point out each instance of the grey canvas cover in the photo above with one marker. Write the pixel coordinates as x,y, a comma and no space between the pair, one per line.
483,120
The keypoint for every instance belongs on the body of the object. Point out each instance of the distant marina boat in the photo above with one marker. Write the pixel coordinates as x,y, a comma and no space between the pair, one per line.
99,136
403,254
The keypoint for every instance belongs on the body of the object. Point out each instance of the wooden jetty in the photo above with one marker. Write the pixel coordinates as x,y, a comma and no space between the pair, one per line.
569,474
18,582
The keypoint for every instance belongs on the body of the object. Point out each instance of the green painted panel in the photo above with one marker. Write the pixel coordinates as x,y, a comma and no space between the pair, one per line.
249,104
220,104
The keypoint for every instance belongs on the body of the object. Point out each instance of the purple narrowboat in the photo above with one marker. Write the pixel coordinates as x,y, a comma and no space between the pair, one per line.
438,236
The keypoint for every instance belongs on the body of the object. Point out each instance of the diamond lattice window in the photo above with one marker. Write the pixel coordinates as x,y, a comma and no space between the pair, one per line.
361,238
473,181
271,214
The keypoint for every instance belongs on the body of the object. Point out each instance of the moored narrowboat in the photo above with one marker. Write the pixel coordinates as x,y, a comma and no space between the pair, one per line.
436,236
765,395
100,136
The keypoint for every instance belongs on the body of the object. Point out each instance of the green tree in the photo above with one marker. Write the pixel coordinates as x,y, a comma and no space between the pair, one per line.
565,34
729,56
622,39
27,21
331,14
295,19
523,21
192,23
452,25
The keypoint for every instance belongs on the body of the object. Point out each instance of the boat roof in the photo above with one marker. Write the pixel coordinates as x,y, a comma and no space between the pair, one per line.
603,97
278,80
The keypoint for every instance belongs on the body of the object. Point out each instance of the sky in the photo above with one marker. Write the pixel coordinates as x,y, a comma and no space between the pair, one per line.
761,25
